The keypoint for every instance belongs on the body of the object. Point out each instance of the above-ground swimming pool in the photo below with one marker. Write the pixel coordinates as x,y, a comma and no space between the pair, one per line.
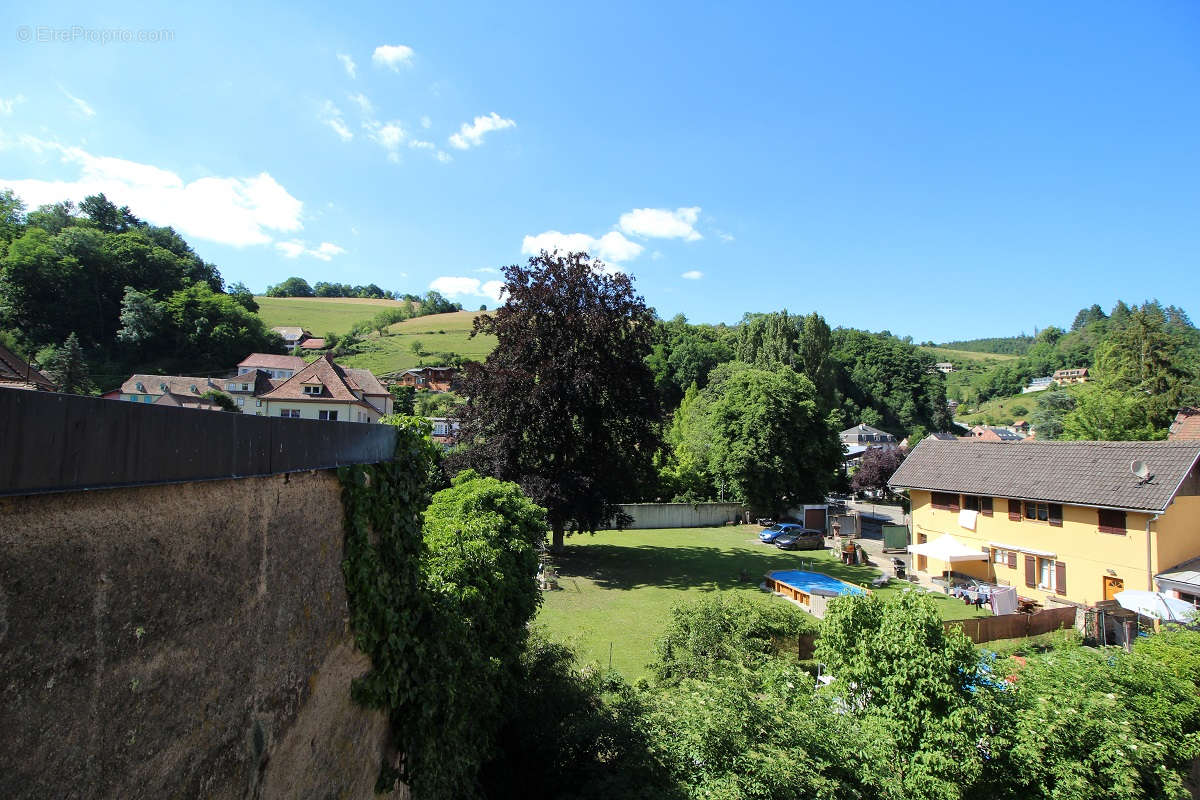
810,589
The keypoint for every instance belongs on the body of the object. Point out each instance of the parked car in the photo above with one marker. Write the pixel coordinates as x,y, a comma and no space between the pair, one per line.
801,539
769,535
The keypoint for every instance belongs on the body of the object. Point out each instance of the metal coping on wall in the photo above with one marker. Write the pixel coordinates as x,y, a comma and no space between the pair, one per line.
63,443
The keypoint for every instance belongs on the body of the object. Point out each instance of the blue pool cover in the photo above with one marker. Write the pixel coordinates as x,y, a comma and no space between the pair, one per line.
815,583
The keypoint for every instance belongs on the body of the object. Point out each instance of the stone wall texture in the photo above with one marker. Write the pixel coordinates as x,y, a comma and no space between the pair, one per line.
181,641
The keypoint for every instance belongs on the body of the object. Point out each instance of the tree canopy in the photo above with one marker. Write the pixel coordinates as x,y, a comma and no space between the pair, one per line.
565,404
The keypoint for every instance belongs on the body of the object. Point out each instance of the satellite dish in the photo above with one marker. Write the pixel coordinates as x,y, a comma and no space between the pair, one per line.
1140,469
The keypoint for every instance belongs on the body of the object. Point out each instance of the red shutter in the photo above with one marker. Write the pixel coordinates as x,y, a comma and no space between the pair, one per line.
1012,559
1056,515
985,506
1031,572
1014,510
1060,577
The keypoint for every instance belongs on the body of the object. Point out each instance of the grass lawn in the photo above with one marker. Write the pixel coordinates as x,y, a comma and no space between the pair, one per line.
319,315
619,586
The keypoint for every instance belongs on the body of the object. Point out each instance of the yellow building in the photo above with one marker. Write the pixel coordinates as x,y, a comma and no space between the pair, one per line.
1071,522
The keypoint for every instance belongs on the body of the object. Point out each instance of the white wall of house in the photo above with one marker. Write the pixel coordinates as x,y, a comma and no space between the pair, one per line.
346,412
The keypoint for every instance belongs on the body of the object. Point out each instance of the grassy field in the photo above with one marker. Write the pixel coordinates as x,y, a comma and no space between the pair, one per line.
319,315
437,333
946,354
1005,410
619,586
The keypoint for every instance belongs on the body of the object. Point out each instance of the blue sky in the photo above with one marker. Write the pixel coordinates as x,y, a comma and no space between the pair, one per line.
937,170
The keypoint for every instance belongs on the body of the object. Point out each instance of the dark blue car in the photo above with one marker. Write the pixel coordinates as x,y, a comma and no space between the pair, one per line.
768,534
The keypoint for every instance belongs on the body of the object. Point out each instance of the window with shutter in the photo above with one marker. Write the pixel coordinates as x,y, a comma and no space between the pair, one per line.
1012,559
1060,577
985,506
1111,521
1037,511
1014,510
946,501
1031,572
1056,515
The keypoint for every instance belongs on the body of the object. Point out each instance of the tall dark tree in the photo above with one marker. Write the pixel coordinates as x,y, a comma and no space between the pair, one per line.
65,367
565,405
877,466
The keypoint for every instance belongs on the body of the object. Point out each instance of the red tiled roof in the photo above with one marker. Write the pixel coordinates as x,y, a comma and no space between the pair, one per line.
174,384
366,380
336,385
1186,425
313,344
14,369
271,361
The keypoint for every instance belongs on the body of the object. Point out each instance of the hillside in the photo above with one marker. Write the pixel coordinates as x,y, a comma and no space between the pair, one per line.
437,334
319,315
956,356
1005,410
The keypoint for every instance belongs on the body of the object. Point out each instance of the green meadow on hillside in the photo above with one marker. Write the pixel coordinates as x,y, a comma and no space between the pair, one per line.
437,334
946,354
319,315
1005,410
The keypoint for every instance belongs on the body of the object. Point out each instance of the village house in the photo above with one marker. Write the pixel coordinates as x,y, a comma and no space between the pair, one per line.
292,335
278,367
433,379
864,435
944,367
1065,377
149,388
445,431
990,433
17,373
327,391
1067,522
1186,426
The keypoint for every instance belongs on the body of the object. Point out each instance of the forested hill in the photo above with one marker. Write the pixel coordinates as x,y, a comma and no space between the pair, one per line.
999,345
1144,364
97,287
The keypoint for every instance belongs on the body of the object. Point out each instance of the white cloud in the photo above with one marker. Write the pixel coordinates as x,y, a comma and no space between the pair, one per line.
426,122
331,115
693,275
725,237
458,287
611,247
363,102
388,135
392,56
294,248
471,134
444,157
662,223
228,210
291,248
418,144
80,104
8,104
348,64
656,255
